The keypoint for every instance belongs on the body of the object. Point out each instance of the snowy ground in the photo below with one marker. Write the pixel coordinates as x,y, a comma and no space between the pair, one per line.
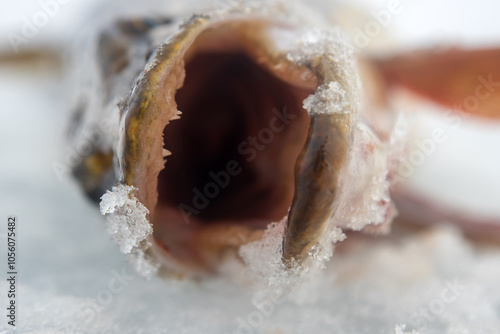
73,278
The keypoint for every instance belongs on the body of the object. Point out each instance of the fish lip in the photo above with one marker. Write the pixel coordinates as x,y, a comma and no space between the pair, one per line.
307,218
316,182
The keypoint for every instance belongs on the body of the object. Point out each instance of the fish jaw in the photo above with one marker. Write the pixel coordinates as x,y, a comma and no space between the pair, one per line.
316,184
308,74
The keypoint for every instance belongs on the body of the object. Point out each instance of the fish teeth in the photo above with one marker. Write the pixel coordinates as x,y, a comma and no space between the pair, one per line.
166,153
177,116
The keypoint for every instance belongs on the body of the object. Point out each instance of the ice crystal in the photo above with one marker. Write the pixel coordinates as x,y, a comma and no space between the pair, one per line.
128,225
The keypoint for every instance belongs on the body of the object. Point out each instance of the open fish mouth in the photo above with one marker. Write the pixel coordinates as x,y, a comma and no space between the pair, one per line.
244,151
233,152
235,122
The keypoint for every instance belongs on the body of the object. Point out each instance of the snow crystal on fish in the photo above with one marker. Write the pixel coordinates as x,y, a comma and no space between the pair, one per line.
365,197
333,49
128,225
265,268
327,100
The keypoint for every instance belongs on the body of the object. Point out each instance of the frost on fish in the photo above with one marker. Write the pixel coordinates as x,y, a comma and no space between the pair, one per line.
328,99
264,266
333,47
365,197
128,225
